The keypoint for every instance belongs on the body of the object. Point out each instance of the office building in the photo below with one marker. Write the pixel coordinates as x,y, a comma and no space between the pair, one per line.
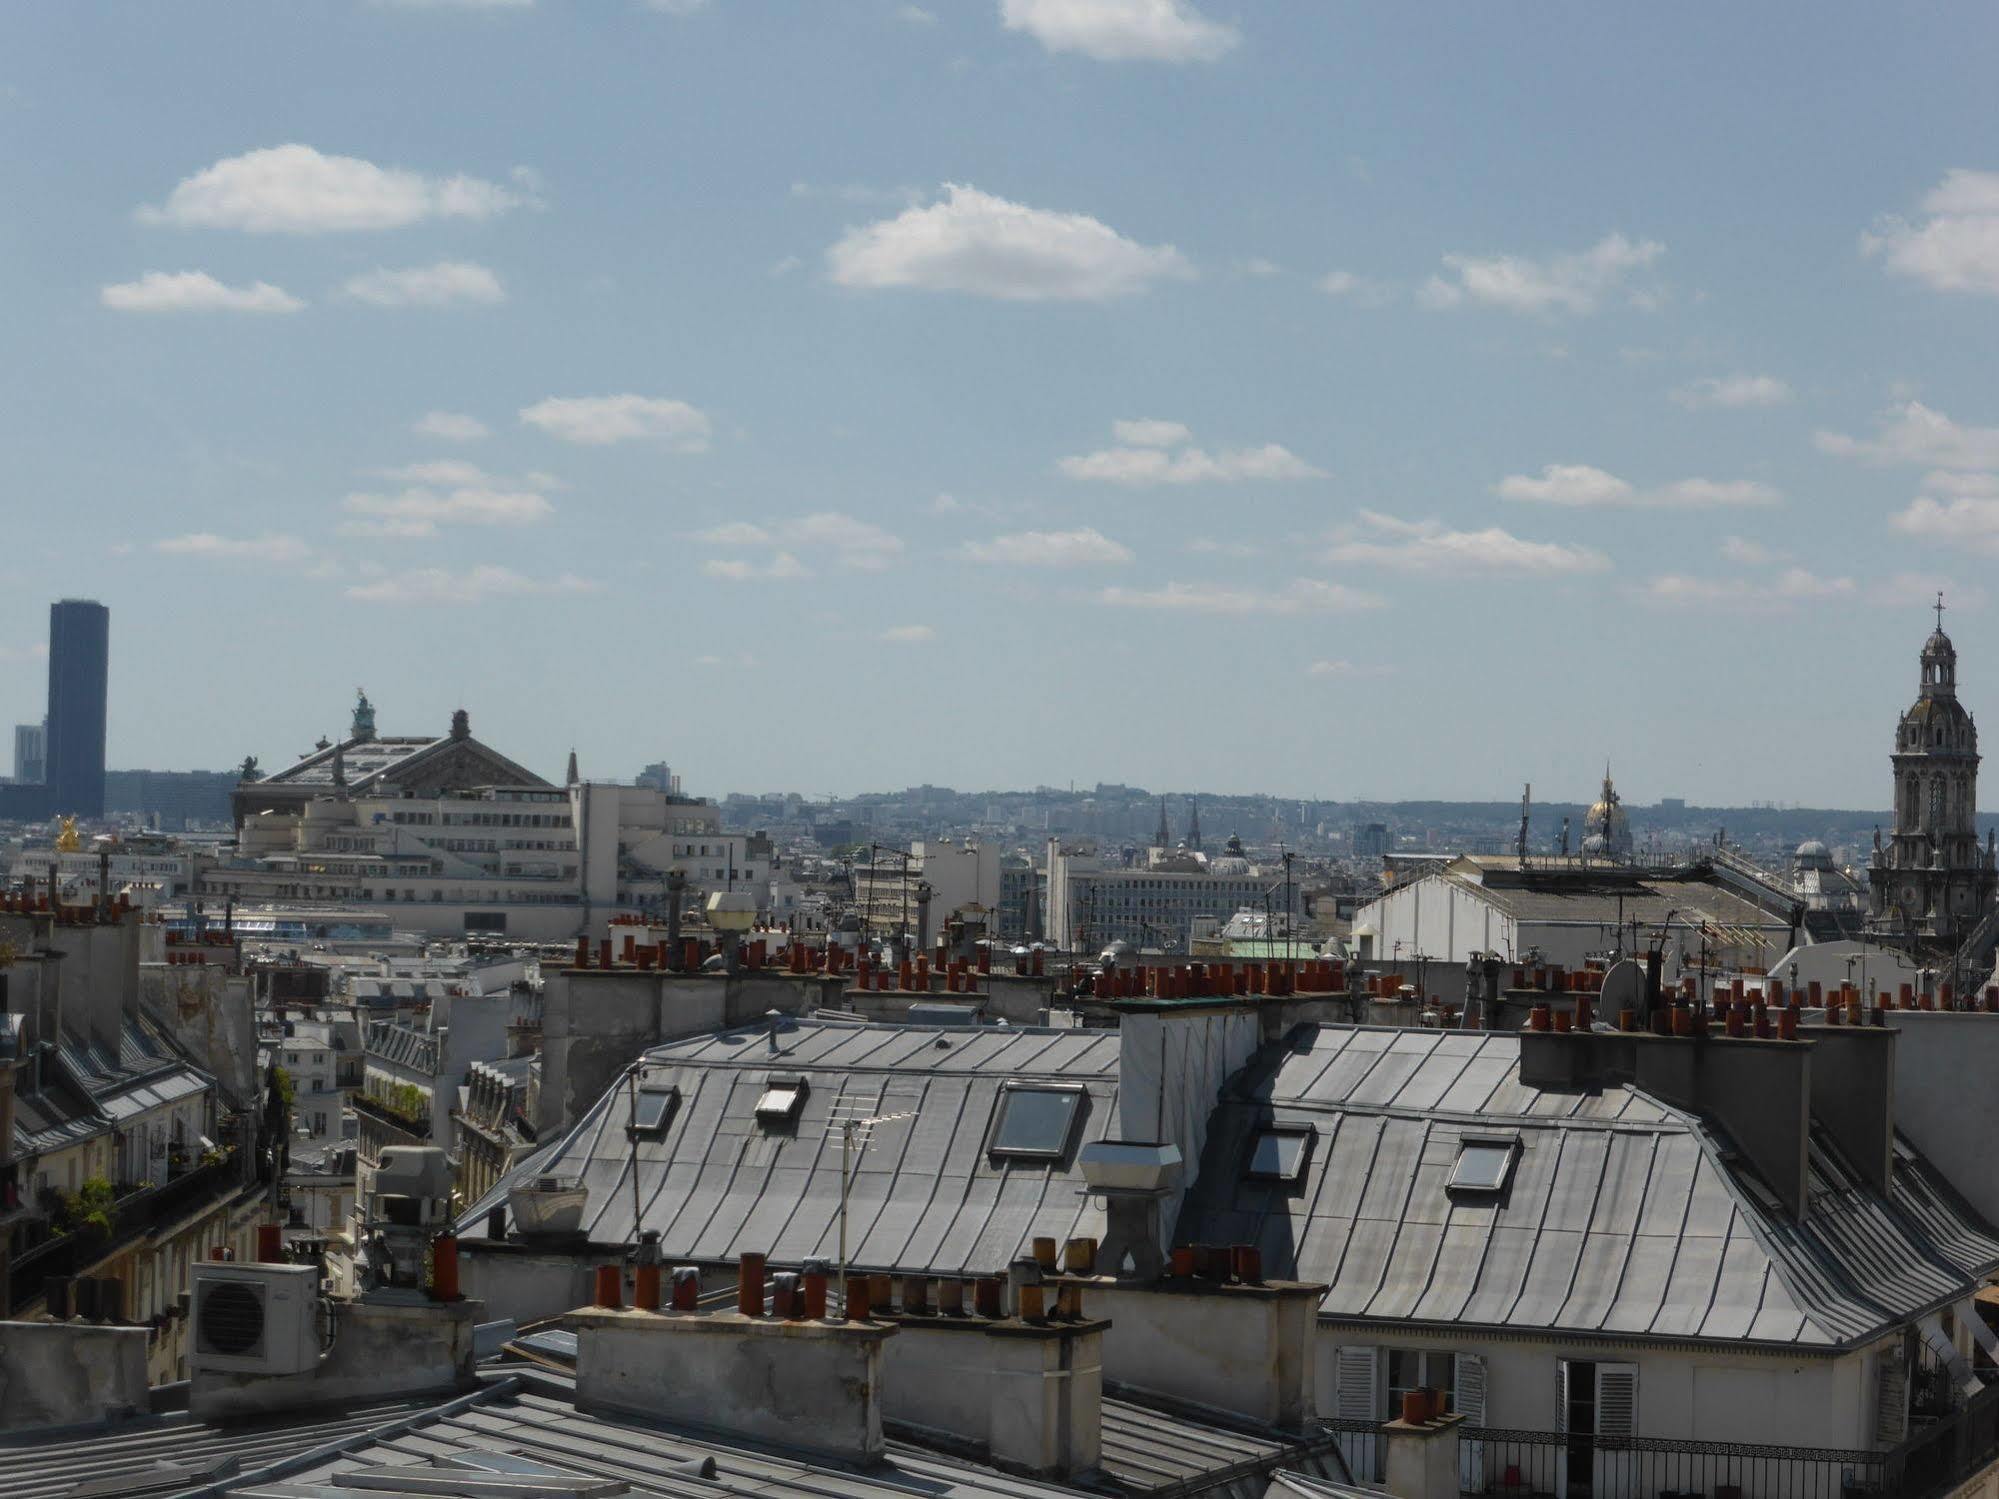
79,656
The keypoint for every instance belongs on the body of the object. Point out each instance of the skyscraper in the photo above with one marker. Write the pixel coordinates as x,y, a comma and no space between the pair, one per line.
79,654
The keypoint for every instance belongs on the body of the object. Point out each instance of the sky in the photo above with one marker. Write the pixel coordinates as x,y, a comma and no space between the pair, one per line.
1331,400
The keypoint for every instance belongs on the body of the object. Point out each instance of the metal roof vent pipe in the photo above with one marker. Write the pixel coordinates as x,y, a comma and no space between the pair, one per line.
1132,1178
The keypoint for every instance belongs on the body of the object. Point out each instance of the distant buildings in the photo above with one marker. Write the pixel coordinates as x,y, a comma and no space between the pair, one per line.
69,779
31,753
1093,903
449,837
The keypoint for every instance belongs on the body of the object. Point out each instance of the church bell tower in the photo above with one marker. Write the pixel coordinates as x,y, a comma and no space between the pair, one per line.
1931,883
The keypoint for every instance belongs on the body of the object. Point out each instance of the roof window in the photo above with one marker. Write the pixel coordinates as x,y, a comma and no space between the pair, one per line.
781,1100
657,1104
1279,1155
1035,1122
1485,1164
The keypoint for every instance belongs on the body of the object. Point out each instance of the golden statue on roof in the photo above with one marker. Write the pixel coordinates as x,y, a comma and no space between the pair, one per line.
67,839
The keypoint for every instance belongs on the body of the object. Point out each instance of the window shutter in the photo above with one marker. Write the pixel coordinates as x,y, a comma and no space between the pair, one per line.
1561,1395
1355,1398
1468,1381
1468,1400
1891,1397
1616,1402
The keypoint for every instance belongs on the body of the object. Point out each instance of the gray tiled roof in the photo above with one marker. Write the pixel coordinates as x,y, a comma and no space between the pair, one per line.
926,1195
1624,1217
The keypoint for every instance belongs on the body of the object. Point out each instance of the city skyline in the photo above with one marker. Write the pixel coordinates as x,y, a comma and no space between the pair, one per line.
1005,394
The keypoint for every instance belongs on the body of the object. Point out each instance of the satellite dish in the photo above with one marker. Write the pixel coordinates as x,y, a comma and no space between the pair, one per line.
1623,989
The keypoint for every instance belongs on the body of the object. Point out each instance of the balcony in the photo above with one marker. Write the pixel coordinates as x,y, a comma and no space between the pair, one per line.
1935,1461
133,1215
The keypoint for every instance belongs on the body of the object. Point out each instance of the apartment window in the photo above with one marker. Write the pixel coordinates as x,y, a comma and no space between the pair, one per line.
1484,1164
1279,1155
781,1100
1035,1123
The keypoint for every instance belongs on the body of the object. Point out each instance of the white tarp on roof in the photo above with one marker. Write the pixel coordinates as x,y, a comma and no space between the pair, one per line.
1171,1068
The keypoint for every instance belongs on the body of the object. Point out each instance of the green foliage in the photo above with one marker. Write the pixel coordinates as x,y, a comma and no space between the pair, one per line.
92,1209
287,1090
404,1100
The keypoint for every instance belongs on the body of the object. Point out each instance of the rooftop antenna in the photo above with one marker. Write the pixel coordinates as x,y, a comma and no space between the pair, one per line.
856,1129
1526,806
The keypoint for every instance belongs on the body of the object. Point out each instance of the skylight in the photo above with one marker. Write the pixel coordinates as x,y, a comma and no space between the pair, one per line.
781,1100
1483,1165
1036,1123
1279,1155
655,1110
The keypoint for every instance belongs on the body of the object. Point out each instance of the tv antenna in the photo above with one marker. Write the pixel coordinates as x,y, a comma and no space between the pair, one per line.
857,1127
1526,806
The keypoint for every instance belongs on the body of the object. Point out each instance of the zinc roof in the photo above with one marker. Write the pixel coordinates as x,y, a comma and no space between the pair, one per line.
925,1194
1623,1216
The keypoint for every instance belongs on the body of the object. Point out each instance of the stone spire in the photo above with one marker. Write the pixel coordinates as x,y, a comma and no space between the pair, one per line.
573,778
1162,837
1193,824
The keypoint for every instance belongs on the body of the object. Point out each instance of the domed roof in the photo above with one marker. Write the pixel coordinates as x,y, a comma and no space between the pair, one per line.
1811,848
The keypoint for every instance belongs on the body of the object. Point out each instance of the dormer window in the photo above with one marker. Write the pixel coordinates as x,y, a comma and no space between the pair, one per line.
1484,1165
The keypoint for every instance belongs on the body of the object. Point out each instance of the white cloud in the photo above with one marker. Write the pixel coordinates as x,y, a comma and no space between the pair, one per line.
1081,548
915,15
1913,434
907,634
1208,546
450,426
278,550
736,533
855,544
419,511
444,284
677,7
1919,591
1340,283
194,291
472,585
735,570
970,241
1345,668
1299,596
1259,265
1746,553
1944,482
1428,546
1794,585
1580,486
295,189
1575,282
1121,30
1734,392
1144,459
1575,484
1148,432
1956,247
598,420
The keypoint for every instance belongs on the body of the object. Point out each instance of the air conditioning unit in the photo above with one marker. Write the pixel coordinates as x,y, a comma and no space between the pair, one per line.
255,1319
